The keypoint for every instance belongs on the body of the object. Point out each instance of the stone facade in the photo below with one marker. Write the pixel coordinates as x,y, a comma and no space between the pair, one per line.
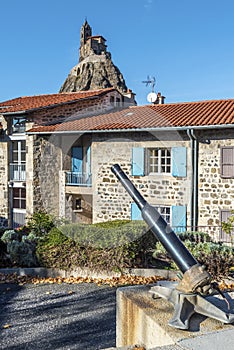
111,201
215,193
46,175
44,155
66,111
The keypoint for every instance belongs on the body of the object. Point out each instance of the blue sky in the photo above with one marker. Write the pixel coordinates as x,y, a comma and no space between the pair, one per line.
186,45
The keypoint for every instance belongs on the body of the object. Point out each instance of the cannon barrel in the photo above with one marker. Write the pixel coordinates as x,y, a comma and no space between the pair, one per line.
158,226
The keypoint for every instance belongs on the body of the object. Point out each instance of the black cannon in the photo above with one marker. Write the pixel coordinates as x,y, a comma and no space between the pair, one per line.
195,292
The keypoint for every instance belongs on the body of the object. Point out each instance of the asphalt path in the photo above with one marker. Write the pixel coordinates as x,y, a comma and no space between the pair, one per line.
57,316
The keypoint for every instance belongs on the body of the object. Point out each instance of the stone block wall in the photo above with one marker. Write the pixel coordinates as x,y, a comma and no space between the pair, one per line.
66,111
215,193
111,201
46,175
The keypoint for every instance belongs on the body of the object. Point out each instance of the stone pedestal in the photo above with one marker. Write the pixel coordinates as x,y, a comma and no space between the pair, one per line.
143,320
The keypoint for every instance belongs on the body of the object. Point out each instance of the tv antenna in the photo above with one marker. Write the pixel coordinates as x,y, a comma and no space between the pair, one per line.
150,81
152,96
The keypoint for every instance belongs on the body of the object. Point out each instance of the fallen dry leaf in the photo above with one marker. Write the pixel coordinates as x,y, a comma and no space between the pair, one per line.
121,280
6,326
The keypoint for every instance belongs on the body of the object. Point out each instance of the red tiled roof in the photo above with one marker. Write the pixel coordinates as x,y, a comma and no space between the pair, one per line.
204,113
27,103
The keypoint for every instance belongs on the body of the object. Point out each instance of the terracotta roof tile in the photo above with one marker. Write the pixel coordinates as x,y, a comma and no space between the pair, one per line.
204,113
27,103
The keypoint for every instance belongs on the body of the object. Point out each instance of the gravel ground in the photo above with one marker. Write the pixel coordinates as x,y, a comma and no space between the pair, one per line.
57,316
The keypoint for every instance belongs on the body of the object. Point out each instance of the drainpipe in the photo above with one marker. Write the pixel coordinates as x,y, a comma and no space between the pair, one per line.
194,180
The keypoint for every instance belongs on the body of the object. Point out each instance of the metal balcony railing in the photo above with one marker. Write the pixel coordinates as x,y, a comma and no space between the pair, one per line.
215,232
78,179
17,172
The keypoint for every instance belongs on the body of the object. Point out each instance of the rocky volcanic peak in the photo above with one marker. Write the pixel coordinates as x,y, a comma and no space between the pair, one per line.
94,72
95,69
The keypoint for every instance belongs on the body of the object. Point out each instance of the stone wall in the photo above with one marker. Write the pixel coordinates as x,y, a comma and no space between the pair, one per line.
66,111
110,200
215,193
46,174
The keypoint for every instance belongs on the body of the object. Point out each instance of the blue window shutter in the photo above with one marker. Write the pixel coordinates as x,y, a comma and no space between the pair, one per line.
77,159
138,161
179,161
135,212
178,218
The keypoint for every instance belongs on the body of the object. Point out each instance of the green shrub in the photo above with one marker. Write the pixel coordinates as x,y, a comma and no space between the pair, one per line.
194,236
216,257
4,260
106,246
21,248
10,235
40,223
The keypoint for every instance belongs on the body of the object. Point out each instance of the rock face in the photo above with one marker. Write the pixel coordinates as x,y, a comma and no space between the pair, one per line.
95,69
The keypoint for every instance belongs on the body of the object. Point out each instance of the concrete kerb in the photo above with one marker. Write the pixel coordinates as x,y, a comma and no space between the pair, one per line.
82,272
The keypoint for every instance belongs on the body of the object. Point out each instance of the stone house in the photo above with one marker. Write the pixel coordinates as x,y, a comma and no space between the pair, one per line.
57,150
21,165
179,155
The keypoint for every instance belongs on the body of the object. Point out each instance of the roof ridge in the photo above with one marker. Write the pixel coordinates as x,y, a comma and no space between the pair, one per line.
61,93
192,102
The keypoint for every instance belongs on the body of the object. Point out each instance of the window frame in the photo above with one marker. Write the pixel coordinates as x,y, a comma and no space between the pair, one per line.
21,199
160,164
223,174
18,152
161,208
224,237
21,128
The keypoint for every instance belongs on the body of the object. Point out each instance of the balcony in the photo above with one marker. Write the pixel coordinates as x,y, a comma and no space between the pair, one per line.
78,179
17,172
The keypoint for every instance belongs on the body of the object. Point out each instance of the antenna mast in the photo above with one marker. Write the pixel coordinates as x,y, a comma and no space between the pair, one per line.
150,81
152,96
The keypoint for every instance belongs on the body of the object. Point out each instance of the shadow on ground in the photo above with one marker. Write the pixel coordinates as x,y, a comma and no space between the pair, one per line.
57,317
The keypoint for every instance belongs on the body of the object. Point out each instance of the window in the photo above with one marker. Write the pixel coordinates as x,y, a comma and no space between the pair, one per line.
19,198
19,151
174,215
118,102
224,215
227,162
165,213
159,160
18,161
78,204
112,100
18,125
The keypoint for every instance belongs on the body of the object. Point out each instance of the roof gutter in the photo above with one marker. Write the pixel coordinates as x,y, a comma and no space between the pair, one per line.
194,180
168,128
13,113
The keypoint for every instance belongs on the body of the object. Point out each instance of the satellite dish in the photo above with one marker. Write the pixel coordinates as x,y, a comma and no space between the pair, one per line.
152,97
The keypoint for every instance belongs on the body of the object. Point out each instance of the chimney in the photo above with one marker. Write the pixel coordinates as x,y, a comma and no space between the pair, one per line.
160,99
129,97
